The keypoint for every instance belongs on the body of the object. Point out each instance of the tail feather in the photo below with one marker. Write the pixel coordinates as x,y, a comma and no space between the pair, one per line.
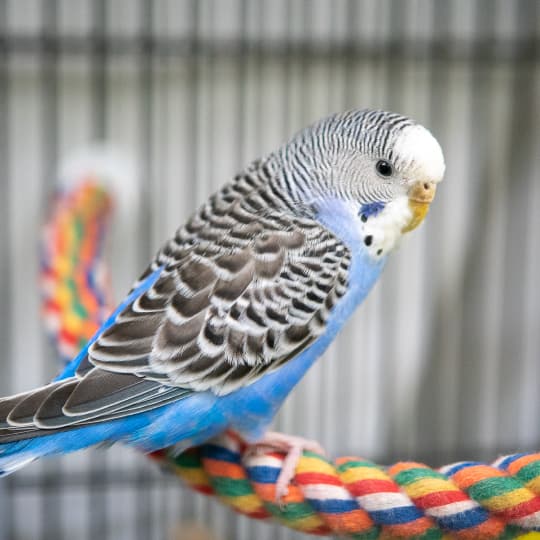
11,435
17,418
15,449
7,404
24,406
12,463
34,424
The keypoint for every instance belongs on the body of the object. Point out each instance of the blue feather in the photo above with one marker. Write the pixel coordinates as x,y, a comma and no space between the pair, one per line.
371,209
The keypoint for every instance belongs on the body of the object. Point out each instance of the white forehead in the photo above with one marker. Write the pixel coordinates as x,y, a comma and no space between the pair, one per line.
418,150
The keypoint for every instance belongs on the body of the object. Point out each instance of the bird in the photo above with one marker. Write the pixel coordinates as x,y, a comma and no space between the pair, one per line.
241,301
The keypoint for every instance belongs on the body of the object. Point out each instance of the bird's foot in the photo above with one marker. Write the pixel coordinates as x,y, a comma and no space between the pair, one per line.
292,447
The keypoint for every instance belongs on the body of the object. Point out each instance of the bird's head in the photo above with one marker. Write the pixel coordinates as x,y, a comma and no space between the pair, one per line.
374,170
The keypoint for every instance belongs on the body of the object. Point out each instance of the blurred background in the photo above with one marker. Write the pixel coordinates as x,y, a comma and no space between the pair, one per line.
441,363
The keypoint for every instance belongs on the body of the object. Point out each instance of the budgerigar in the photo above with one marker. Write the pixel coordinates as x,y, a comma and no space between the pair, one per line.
242,300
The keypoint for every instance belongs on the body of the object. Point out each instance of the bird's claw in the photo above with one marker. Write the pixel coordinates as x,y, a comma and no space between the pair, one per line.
292,447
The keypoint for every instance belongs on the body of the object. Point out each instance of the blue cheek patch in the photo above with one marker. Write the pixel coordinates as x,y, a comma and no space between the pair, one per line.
371,209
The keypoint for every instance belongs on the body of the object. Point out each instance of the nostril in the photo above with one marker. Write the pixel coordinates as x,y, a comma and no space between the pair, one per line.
422,191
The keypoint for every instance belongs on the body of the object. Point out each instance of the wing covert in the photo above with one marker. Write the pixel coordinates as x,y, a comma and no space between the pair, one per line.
236,298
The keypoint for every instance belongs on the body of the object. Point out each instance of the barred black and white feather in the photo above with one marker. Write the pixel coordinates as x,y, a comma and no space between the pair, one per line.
245,285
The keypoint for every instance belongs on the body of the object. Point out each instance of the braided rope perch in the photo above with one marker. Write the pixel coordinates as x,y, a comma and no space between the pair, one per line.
350,497
356,498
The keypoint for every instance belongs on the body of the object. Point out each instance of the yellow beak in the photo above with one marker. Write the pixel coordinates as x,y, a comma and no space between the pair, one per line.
420,196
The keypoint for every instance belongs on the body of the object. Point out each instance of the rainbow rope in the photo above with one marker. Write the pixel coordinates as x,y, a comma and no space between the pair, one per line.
356,498
350,497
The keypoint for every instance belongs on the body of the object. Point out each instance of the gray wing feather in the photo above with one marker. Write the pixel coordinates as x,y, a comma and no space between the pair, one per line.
219,318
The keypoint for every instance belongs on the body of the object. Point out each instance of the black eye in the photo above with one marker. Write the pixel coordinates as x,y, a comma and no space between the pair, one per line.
384,168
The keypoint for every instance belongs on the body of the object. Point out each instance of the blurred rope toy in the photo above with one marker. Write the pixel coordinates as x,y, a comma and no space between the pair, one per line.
350,497
74,279
356,498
